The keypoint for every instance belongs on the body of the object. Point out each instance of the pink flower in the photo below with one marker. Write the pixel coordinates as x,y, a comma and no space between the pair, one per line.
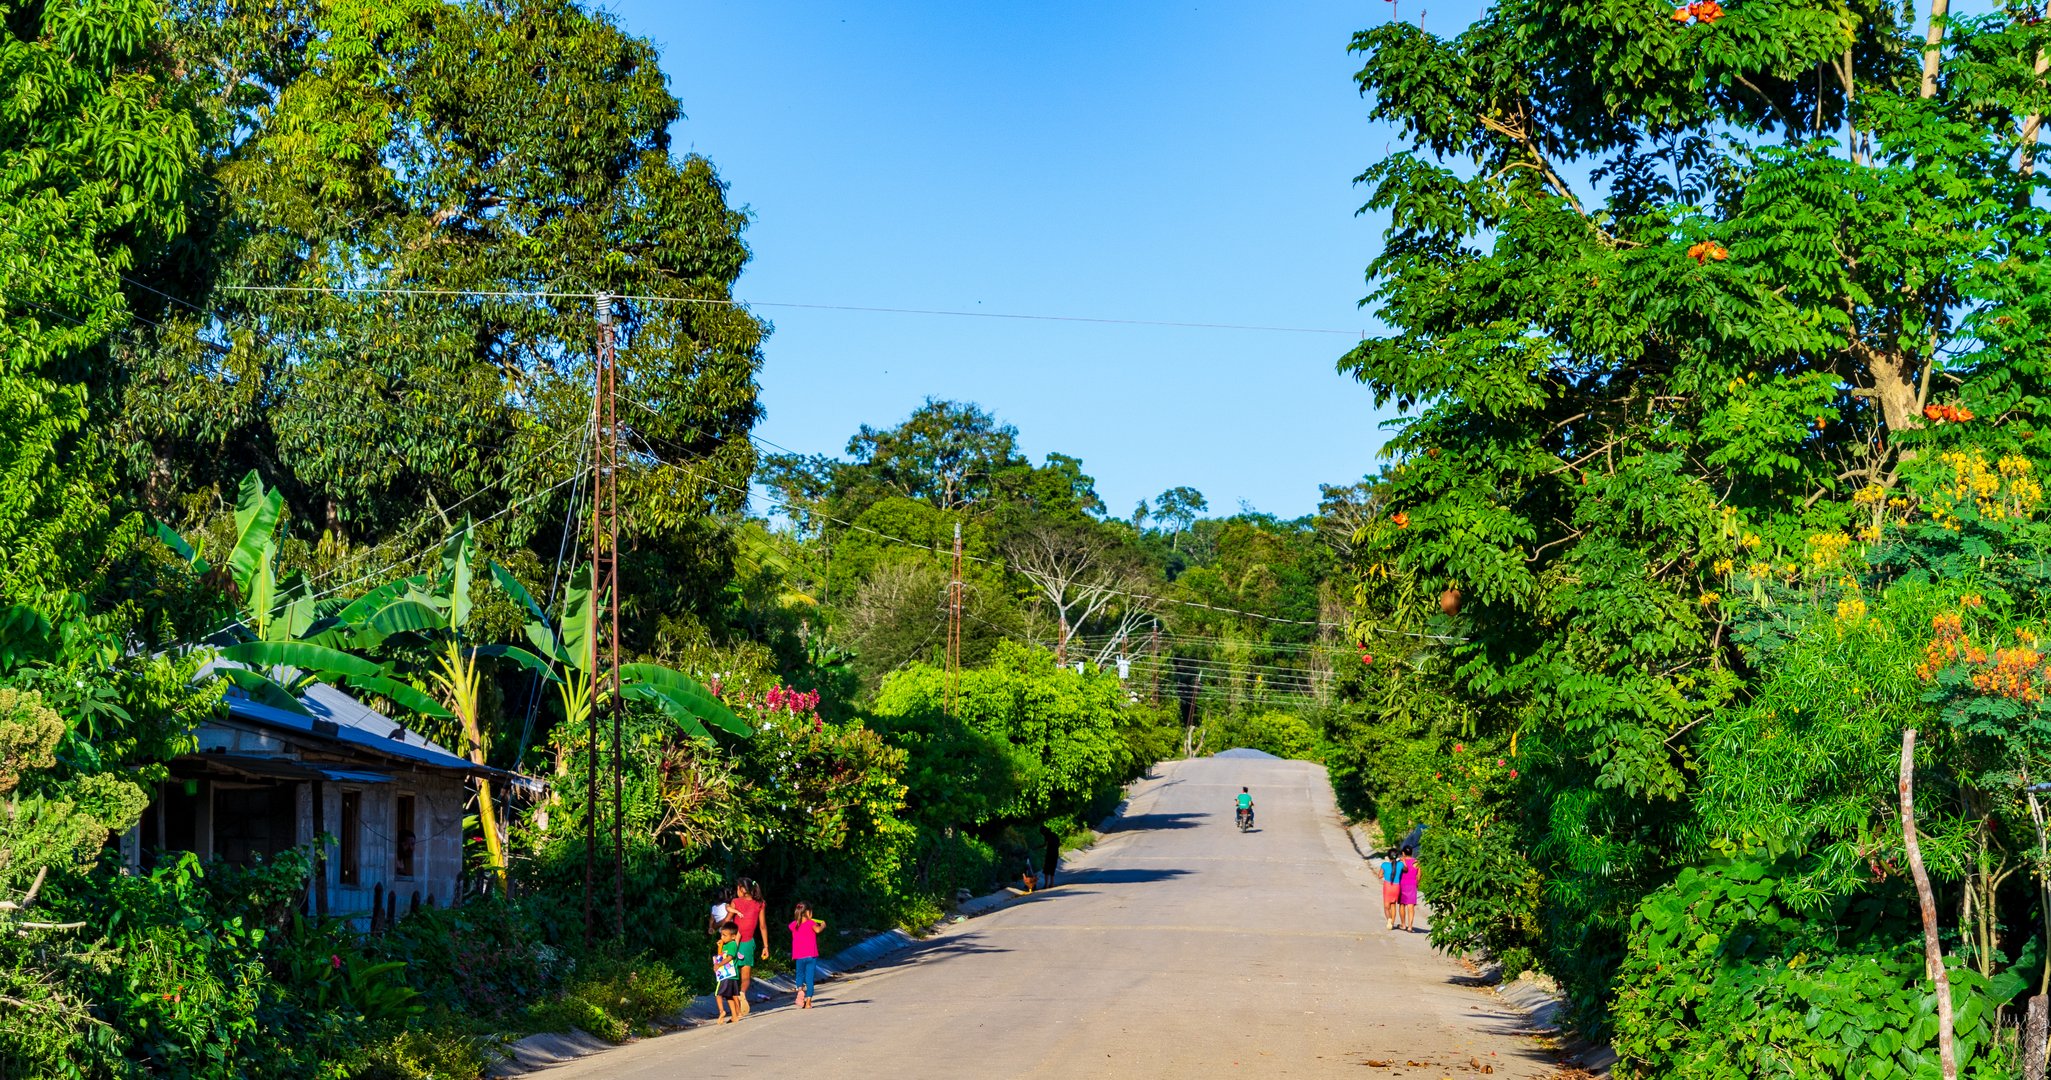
1499,763
335,962
1513,774
1459,748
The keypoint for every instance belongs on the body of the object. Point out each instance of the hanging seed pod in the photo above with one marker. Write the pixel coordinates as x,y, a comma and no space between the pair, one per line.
1449,601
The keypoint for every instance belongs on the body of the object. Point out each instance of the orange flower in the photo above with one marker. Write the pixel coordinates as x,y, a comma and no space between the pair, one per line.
1401,519
1680,14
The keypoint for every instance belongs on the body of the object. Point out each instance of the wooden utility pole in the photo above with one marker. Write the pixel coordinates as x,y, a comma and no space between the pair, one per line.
605,581
1154,664
954,590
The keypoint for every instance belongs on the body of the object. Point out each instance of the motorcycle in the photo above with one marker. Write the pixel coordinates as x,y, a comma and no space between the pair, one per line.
1245,820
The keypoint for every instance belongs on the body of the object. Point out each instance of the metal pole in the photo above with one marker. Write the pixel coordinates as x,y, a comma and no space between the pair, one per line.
612,573
601,359
954,612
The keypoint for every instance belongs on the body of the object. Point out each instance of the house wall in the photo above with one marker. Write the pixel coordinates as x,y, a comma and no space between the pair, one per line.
440,800
438,804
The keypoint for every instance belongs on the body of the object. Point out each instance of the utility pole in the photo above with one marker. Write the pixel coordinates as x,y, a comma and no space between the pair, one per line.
1154,663
605,581
954,590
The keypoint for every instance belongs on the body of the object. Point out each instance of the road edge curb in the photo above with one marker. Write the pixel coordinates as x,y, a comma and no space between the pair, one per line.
547,1049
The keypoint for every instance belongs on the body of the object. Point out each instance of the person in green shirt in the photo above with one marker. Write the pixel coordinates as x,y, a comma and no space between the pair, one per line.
733,1005
1245,812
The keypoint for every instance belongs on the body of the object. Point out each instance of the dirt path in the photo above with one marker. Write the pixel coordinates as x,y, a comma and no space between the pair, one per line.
1177,947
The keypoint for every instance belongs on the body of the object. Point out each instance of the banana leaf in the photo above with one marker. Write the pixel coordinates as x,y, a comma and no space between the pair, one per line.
517,591
404,695
455,576
686,690
408,616
263,691
260,592
545,640
303,655
519,656
670,703
576,635
256,521
363,607
177,543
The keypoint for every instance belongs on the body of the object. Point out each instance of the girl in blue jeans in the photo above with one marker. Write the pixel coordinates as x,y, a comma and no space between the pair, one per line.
804,950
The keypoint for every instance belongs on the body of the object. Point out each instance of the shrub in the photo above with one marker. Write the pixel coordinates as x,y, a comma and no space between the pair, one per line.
1724,977
614,999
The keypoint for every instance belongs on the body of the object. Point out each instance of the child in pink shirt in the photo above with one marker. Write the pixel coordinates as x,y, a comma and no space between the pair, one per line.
804,950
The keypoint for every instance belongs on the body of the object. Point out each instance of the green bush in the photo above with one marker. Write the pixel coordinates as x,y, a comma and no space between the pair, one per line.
1283,734
615,999
1725,978
440,1046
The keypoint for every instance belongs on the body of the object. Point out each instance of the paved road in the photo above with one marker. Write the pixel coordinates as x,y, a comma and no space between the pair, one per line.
1177,947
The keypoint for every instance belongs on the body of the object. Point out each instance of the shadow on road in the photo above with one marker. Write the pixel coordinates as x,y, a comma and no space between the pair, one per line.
1148,822
1122,875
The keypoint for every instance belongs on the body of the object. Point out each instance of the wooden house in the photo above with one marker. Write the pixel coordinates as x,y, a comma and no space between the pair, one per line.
265,780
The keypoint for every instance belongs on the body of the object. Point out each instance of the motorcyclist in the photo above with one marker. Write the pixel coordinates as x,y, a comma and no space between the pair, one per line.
1245,812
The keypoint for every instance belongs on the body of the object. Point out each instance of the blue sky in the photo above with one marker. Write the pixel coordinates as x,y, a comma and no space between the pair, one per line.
1169,162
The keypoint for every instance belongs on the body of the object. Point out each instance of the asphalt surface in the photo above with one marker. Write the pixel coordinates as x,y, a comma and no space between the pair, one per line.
1176,947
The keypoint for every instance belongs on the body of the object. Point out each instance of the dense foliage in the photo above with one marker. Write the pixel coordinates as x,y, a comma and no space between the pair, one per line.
1719,342
296,313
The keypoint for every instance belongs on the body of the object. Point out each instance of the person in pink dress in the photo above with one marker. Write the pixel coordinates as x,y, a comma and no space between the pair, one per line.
1406,891
804,950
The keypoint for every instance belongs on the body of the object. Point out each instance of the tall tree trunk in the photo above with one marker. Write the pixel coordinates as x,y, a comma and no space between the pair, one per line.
1894,385
1933,953
2033,123
2036,1024
1933,45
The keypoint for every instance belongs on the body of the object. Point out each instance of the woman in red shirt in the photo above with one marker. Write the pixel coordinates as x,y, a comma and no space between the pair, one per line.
746,911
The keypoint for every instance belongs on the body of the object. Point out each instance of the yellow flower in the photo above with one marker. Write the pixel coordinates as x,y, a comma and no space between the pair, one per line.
1708,598
1722,566
1851,609
1826,550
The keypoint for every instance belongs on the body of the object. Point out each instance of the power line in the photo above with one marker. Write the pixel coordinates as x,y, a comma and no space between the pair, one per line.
743,305
417,554
417,526
750,495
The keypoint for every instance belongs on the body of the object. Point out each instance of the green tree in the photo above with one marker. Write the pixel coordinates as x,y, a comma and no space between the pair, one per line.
96,158
947,454
1657,288
1176,509
455,149
1046,745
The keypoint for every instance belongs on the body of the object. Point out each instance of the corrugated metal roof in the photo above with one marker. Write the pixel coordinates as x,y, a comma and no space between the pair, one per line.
341,718
272,767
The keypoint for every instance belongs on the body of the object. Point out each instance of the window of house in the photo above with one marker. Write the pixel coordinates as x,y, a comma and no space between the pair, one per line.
404,836
253,823
348,859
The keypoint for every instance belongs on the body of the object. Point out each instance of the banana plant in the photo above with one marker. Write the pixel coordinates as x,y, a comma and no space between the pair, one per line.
429,618
571,648
279,634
